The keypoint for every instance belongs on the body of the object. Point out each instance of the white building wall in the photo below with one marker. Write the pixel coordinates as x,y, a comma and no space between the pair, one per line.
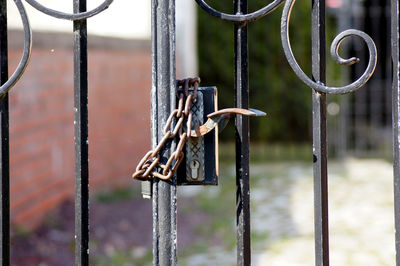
128,19
186,38
123,19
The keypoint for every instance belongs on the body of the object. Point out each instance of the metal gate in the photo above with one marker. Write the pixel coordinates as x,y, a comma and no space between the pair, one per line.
163,99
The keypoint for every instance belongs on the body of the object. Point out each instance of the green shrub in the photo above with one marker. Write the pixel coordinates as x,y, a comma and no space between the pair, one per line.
274,88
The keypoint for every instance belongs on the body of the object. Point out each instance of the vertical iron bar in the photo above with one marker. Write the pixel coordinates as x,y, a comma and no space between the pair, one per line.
242,138
163,101
395,117
319,136
4,136
81,138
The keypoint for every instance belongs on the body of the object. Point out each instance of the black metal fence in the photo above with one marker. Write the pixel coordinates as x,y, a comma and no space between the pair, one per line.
164,101
80,118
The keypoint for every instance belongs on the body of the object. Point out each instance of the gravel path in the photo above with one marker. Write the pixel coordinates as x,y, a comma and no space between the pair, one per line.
361,216
360,210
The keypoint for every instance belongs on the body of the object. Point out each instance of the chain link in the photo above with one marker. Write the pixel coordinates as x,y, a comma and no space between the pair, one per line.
150,165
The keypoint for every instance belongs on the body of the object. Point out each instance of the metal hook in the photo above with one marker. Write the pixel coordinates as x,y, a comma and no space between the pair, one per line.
221,118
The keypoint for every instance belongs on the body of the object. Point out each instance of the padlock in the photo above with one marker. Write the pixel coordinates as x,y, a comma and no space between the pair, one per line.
200,166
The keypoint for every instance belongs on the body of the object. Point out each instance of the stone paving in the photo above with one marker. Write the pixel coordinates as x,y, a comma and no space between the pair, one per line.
361,216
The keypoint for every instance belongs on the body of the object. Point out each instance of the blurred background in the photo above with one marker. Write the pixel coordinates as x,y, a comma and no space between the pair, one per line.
41,135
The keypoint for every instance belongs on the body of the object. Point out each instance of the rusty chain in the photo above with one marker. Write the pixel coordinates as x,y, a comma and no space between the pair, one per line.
150,165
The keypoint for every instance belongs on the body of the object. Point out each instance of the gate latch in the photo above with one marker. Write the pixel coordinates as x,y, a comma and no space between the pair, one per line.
195,156
200,166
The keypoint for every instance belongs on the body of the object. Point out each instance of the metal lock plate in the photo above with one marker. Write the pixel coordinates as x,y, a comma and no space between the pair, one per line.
200,166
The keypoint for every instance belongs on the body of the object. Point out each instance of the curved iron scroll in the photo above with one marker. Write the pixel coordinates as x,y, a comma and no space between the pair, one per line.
27,51
334,53
28,34
62,15
241,17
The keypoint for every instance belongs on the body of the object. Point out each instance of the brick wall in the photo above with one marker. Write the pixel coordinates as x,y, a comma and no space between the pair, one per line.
41,120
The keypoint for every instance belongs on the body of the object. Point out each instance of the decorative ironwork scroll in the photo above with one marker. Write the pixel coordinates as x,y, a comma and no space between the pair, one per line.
74,16
28,33
319,100
239,17
334,53
27,51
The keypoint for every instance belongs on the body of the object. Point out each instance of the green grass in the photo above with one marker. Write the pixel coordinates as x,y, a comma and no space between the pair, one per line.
125,258
119,194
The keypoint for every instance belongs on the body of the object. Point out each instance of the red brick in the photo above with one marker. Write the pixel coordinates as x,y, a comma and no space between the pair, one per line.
41,126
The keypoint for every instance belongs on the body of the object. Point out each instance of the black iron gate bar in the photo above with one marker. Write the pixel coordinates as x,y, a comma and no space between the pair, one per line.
81,138
320,142
163,102
240,19
4,132
395,28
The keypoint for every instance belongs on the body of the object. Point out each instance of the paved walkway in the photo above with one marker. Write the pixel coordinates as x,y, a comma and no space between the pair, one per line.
361,216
